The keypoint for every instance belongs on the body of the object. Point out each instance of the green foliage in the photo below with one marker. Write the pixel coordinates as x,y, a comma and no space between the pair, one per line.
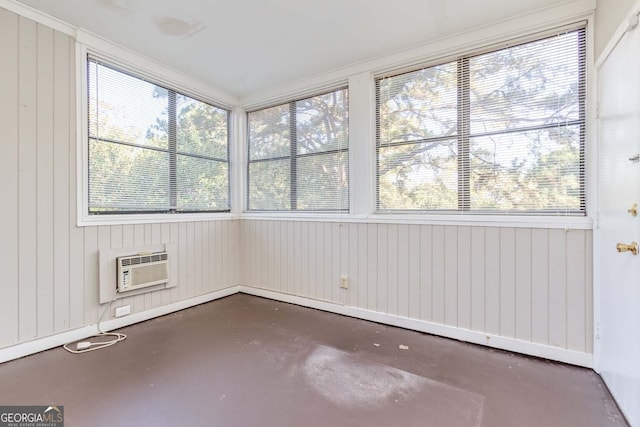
137,178
320,177
520,107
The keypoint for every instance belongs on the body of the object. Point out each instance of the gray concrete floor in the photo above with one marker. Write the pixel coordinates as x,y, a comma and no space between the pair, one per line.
247,361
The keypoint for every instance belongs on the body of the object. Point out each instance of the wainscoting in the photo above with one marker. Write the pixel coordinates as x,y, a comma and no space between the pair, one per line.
526,284
49,265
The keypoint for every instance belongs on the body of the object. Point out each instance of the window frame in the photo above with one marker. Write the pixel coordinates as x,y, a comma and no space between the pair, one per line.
147,70
293,157
463,135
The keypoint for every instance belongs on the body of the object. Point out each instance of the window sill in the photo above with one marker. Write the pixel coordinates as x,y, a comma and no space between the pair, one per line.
95,220
514,221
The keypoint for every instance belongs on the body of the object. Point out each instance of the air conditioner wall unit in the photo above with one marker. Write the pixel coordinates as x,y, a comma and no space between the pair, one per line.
142,270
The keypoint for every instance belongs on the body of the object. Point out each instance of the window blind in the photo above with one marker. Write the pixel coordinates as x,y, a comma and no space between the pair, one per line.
153,149
502,131
298,155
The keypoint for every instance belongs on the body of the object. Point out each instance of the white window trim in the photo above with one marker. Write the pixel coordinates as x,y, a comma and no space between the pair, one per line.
529,38
334,87
563,222
87,43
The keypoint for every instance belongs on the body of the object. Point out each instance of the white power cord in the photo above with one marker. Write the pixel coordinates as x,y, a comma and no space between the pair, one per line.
87,345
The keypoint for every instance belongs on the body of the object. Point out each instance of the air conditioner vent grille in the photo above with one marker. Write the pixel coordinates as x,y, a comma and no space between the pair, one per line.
142,270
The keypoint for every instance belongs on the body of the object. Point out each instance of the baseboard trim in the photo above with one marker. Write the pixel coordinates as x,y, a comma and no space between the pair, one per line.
46,343
510,344
475,337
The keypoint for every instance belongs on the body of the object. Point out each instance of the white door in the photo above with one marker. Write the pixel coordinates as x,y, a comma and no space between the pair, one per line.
618,345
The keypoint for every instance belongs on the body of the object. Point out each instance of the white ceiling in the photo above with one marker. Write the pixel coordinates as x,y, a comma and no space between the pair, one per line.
244,46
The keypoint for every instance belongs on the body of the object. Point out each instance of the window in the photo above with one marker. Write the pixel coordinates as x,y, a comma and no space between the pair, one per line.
298,155
496,132
151,148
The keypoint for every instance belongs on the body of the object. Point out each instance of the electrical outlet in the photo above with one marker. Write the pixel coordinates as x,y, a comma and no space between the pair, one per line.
344,282
123,311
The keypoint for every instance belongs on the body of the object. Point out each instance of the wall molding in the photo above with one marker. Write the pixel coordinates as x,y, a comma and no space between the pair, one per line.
46,343
474,337
564,222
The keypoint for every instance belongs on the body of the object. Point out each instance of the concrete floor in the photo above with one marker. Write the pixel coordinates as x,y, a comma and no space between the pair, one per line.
246,361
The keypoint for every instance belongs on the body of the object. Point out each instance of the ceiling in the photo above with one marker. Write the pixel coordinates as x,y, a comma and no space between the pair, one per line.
245,46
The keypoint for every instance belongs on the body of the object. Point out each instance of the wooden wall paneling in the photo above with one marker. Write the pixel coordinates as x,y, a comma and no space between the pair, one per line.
393,245
323,266
105,234
297,247
289,265
286,260
207,284
27,184
588,318
492,280
558,288
464,277
236,244
438,265
478,276
93,238
451,275
414,294
343,262
76,234
426,272
523,274
174,237
323,237
126,241
352,261
304,282
165,237
50,217
77,270
403,270
382,268
146,300
9,263
576,290
372,261
362,285
182,262
312,245
248,262
222,254
540,286
508,257
138,301
267,255
192,274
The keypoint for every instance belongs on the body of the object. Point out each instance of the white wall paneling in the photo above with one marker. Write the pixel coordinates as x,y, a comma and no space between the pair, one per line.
50,265
530,285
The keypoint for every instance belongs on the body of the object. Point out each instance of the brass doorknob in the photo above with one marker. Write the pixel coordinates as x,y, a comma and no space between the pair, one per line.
633,210
631,247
